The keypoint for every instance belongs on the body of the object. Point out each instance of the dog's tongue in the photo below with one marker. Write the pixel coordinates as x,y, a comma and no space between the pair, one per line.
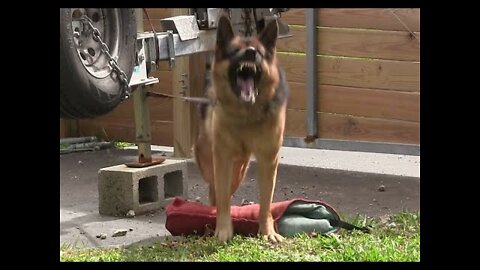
247,89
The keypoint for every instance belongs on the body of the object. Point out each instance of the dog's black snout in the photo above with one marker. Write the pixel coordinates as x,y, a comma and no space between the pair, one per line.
250,54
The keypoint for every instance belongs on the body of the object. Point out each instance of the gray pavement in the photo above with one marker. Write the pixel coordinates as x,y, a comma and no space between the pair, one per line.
348,181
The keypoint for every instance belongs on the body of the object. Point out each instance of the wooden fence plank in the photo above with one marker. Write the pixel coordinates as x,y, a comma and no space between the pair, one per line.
355,72
165,81
124,130
197,89
182,141
147,27
345,127
62,129
159,13
392,45
367,18
365,102
160,109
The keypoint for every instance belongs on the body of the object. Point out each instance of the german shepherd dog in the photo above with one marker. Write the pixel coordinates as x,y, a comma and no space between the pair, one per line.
247,116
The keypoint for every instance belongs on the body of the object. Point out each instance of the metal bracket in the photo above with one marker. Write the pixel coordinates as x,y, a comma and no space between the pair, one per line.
183,38
207,18
151,54
213,16
139,75
185,26
171,49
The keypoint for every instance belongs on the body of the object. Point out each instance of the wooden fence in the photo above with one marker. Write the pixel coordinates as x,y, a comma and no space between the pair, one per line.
368,80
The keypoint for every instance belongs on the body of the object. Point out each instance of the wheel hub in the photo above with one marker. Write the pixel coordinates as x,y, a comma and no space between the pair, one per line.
89,50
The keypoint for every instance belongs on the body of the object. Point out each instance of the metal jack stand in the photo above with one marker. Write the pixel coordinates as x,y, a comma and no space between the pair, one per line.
142,130
142,112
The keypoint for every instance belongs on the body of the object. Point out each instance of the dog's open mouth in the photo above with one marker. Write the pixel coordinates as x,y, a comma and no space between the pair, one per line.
247,75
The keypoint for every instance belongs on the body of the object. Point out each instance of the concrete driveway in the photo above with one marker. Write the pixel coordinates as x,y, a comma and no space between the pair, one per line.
349,181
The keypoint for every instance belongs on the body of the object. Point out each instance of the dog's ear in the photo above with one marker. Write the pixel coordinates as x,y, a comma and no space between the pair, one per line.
268,37
224,32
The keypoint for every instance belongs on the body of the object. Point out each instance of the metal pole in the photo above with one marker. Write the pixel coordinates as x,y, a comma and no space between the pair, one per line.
312,129
141,110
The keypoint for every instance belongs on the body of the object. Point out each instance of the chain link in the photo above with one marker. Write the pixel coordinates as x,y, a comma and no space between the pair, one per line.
112,62
248,29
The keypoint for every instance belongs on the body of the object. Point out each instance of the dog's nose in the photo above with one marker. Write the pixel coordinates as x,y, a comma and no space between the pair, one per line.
250,54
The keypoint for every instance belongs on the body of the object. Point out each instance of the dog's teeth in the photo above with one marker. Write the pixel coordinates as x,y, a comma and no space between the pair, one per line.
254,69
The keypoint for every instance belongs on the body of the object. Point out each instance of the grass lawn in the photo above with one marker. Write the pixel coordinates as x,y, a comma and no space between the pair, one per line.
394,239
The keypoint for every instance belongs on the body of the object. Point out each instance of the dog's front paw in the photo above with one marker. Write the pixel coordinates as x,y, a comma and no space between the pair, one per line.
224,233
274,237
268,233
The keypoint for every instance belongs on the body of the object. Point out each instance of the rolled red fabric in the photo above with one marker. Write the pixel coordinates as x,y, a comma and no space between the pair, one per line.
188,218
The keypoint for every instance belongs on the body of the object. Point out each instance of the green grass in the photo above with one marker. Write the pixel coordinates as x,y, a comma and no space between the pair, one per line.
121,145
396,239
64,146
116,144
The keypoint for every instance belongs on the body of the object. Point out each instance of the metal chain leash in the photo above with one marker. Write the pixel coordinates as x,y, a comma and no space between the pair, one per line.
247,22
112,62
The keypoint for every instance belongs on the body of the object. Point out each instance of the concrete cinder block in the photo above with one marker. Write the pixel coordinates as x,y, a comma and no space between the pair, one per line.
121,188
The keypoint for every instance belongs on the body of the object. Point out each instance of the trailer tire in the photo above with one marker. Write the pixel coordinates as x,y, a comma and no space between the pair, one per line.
88,87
